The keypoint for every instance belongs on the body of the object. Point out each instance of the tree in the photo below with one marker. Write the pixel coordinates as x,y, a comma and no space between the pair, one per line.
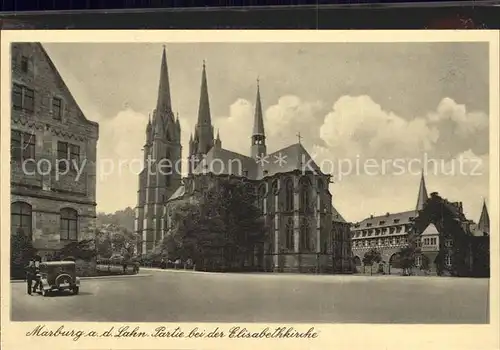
21,250
222,225
407,257
372,256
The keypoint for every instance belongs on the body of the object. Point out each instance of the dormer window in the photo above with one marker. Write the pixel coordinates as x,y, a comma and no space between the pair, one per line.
369,224
396,221
381,222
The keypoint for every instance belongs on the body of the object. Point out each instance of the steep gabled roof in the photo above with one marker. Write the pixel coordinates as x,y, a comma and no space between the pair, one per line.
64,86
294,157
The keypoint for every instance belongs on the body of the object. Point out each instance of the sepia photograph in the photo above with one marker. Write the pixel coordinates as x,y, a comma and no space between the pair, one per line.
250,182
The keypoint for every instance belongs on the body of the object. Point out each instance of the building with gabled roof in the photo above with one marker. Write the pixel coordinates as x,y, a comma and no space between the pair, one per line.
293,193
387,233
53,204
449,244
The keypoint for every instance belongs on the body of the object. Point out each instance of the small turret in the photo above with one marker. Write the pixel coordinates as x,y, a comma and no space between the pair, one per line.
218,142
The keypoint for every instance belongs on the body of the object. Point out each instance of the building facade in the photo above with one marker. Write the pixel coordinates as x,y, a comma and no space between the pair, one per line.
292,192
53,154
387,233
444,241
449,244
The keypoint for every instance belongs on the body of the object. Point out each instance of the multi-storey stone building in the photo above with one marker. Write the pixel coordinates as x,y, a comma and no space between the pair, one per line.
53,154
387,233
444,240
293,193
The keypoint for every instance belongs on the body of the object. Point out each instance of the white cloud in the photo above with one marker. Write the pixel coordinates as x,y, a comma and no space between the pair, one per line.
236,128
359,126
466,123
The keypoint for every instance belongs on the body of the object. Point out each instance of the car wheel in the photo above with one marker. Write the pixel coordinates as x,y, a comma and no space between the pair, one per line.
76,290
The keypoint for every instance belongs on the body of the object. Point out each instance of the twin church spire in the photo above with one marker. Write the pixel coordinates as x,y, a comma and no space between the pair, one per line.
203,138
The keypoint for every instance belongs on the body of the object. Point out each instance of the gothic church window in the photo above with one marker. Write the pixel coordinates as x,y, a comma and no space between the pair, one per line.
305,195
289,241
305,238
261,198
289,194
272,200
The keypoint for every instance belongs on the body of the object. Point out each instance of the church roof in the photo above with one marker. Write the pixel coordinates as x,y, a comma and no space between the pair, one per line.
386,220
221,161
294,157
336,217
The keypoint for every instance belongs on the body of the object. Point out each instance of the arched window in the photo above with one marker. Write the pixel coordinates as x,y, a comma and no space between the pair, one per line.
261,198
321,194
166,168
20,218
305,195
305,235
289,194
289,235
272,199
69,224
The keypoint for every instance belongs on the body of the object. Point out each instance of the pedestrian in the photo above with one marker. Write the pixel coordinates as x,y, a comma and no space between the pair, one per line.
30,274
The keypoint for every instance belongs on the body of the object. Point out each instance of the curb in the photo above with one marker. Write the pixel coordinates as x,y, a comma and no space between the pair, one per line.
99,277
173,270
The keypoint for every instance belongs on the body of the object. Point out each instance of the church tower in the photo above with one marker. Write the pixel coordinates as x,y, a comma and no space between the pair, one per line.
422,194
161,175
203,139
258,147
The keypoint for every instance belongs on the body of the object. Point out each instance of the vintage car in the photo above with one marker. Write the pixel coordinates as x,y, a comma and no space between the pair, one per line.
58,276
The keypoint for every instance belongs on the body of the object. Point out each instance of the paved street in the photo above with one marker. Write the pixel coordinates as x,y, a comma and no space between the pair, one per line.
170,296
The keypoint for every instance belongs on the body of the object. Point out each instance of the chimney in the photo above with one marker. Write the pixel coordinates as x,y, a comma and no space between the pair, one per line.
266,172
387,214
371,216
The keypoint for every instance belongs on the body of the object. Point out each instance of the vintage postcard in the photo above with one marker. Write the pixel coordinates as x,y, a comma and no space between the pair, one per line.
243,189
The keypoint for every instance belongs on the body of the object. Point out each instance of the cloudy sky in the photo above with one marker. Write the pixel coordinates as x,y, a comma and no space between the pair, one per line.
354,104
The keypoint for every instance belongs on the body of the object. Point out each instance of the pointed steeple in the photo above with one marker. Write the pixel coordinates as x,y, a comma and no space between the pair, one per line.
422,193
204,107
218,142
258,122
204,131
148,129
258,147
484,220
164,102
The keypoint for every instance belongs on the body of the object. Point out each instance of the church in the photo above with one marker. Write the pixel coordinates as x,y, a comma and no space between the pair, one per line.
306,233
